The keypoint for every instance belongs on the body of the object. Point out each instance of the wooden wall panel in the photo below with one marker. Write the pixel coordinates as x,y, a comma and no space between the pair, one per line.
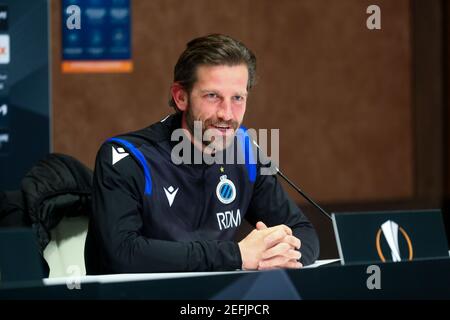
339,93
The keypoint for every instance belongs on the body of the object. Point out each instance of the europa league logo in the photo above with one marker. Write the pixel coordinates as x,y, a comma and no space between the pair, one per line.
390,230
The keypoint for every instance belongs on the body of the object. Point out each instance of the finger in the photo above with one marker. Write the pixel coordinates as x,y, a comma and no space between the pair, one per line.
290,264
274,262
260,225
281,249
295,254
286,229
291,254
293,241
274,237
260,268
281,227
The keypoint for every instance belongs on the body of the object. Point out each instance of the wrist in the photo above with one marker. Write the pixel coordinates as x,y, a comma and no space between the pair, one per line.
242,256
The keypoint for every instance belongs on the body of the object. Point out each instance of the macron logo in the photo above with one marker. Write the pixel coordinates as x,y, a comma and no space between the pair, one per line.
118,154
170,194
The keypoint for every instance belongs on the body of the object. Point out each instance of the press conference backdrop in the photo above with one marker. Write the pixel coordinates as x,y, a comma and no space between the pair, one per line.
24,88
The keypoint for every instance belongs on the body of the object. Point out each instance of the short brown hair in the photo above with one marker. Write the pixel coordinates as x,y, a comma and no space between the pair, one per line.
212,50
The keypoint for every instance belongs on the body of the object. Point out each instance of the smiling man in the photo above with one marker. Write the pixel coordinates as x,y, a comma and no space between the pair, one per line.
154,215
217,101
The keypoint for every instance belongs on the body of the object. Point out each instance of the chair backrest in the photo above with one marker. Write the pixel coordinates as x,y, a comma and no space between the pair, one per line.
65,252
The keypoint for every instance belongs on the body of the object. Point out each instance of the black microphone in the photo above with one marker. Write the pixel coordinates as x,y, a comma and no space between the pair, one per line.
304,195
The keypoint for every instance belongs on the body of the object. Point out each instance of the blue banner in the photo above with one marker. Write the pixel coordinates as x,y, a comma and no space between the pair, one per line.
96,36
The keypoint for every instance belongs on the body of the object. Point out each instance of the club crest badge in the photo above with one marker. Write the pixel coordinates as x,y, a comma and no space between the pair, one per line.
225,190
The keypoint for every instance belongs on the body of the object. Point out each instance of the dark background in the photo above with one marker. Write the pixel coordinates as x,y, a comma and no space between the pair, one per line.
363,114
25,90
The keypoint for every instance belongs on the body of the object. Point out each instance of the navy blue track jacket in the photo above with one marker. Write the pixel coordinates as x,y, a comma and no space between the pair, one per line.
151,215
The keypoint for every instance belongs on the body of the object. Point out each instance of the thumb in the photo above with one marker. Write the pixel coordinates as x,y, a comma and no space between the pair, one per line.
260,225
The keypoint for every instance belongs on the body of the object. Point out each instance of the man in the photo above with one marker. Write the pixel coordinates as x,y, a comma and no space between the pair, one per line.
154,215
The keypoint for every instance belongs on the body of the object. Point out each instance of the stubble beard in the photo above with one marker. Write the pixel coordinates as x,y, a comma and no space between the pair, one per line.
210,142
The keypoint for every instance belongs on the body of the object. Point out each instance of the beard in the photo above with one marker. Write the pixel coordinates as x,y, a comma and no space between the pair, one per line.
210,139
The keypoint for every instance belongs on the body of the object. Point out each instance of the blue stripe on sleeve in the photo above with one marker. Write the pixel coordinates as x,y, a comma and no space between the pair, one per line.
141,159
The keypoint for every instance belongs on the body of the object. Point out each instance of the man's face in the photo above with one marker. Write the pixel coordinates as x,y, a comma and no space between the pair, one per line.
218,99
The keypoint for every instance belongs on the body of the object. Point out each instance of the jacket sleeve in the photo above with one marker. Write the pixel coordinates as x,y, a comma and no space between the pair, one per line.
118,191
272,205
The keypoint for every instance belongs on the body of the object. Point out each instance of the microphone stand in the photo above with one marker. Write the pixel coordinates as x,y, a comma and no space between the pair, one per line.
304,195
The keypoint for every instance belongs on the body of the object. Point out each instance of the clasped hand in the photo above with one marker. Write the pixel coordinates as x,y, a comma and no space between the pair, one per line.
269,248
